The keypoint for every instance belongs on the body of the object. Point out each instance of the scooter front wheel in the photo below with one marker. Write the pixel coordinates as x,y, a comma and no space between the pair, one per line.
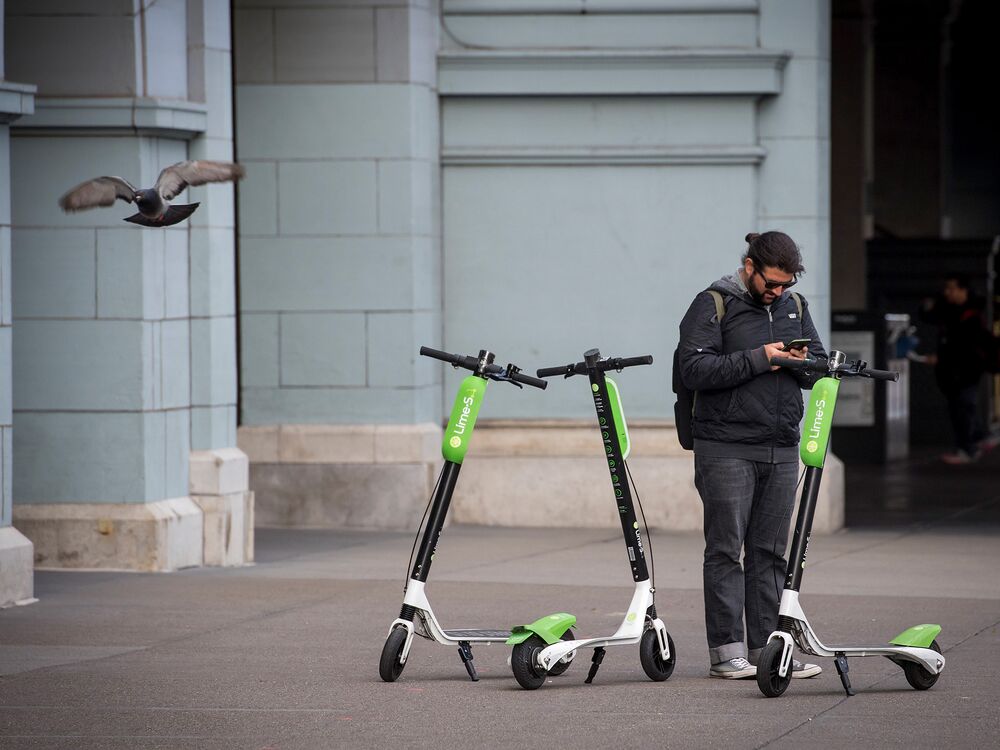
769,681
918,677
524,663
652,661
389,666
563,664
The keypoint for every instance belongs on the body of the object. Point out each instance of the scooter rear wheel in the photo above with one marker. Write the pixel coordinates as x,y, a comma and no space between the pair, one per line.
523,663
769,681
389,666
918,677
652,661
563,664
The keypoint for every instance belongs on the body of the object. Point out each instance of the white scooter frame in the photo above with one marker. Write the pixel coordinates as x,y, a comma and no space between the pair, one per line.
915,650
534,657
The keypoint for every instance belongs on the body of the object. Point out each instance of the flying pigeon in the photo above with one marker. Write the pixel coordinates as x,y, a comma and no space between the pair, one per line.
153,203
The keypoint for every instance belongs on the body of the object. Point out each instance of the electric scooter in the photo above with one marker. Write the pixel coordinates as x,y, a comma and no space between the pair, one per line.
915,650
416,616
537,647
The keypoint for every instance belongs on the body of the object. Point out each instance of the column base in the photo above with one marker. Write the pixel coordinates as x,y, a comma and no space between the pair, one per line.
342,476
159,536
219,485
17,577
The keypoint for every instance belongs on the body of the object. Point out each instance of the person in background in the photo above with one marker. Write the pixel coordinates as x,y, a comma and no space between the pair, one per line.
958,364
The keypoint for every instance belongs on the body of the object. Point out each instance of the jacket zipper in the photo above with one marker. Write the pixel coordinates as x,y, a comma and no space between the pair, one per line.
777,389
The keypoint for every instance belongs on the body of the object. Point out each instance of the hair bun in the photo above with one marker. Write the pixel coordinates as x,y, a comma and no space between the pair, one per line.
751,237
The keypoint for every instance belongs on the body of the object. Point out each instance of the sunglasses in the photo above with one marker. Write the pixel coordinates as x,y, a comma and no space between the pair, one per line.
769,284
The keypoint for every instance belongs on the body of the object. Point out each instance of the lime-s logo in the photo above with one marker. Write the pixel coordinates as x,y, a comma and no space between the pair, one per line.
812,446
455,441
593,387
631,617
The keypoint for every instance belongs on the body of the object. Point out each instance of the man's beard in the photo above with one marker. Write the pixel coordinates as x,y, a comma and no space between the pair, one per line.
758,296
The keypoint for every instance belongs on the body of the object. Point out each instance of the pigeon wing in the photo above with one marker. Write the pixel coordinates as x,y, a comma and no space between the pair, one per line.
176,177
100,191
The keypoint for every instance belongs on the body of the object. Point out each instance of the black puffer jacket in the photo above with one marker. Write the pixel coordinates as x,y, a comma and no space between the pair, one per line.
743,409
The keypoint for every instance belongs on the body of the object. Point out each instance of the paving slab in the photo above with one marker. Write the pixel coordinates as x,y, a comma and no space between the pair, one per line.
284,654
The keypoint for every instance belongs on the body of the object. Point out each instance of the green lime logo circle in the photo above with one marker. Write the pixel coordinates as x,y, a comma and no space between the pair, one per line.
605,434
455,441
631,617
608,447
812,446
618,493
603,421
614,478
635,524
593,387
611,463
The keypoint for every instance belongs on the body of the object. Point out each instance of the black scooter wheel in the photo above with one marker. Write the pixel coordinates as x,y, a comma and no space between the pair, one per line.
389,666
918,677
769,681
523,663
653,664
563,664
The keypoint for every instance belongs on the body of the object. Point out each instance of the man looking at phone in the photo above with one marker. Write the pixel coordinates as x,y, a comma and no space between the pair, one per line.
746,433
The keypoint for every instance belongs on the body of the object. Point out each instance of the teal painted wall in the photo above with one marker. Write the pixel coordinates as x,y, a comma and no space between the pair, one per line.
339,230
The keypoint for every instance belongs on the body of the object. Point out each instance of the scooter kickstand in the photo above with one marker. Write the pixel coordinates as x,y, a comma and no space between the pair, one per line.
465,651
595,664
842,669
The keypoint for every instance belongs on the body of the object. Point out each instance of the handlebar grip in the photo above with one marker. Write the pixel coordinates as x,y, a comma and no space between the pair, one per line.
469,363
793,364
548,372
646,359
520,377
882,374
426,351
815,365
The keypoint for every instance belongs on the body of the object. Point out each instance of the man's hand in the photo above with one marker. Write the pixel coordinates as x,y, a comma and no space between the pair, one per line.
774,350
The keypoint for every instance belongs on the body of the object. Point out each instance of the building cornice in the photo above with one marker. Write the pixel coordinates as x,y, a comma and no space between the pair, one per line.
590,72
167,118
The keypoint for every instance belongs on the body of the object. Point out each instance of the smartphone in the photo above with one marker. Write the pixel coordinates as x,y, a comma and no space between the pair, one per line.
796,344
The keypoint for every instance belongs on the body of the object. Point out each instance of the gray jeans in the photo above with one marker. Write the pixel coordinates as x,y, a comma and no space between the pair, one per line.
748,505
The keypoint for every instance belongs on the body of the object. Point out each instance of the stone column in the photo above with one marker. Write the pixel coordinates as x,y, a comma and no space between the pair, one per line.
109,355
337,123
219,476
16,576
794,179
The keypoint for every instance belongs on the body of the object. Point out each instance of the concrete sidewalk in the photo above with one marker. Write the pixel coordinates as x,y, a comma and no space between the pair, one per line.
284,654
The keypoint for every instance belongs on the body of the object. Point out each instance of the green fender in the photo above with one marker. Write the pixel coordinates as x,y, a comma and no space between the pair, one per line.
549,628
919,636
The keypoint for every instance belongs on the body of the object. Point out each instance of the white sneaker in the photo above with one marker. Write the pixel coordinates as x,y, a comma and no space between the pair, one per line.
802,671
734,669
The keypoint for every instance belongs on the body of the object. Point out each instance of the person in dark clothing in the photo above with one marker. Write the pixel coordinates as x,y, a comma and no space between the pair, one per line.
958,364
746,433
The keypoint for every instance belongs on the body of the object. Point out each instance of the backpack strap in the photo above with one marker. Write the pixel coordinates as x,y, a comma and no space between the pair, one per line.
798,302
720,305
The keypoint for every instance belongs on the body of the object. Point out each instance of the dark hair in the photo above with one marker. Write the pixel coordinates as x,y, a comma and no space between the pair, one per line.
774,249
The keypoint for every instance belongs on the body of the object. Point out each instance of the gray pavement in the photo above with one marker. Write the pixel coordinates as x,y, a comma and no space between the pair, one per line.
284,654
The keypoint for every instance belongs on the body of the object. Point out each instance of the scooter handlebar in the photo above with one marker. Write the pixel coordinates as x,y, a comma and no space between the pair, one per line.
881,374
469,363
580,368
548,372
646,359
816,365
520,377
821,365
